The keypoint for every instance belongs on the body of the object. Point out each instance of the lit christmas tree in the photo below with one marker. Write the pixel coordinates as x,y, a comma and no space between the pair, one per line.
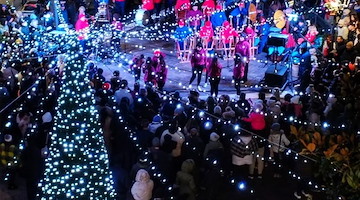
77,167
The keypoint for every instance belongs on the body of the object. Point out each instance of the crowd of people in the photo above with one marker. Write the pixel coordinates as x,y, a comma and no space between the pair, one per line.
196,144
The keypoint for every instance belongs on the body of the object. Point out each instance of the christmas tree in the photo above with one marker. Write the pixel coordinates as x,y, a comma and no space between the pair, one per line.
77,166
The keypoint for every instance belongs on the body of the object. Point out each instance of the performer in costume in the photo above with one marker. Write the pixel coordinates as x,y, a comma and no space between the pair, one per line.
219,17
243,48
181,33
214,73
149,72
137,65
161,72
198,62
181,7
238,72
228,33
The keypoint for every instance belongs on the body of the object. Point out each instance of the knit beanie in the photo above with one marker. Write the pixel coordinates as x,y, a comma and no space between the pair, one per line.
157,118
217,110
214,137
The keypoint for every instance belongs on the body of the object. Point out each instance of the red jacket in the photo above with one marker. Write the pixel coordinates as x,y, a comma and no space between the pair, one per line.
214,71
239,70
208,7
198,58
228,32
207,31
256,120
148,4
182,5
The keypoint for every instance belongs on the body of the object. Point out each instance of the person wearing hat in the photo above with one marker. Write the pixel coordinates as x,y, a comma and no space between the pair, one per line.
278,141
218,18
243,48
143,186
149,72
181,33
208,7
213,144
207,33
198,63
238,72
349,53
194,17
156,123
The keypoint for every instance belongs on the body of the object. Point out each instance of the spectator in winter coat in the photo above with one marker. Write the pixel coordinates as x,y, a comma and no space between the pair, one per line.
143,186
218,18
185,180
243,103
181,33
239,14
194,18
137,65
82,25
213,144
198,62
277,140
256,118
242,149
342,30
207,33
214,73
193,147
123,92
156,123
176,136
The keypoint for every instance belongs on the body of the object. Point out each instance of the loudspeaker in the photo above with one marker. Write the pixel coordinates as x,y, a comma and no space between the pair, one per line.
276,78
276,41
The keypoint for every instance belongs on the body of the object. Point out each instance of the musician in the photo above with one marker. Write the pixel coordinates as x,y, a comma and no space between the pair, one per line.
239,14
243,48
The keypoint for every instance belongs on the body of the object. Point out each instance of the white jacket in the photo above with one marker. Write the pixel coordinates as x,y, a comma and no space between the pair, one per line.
142,188
274,138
